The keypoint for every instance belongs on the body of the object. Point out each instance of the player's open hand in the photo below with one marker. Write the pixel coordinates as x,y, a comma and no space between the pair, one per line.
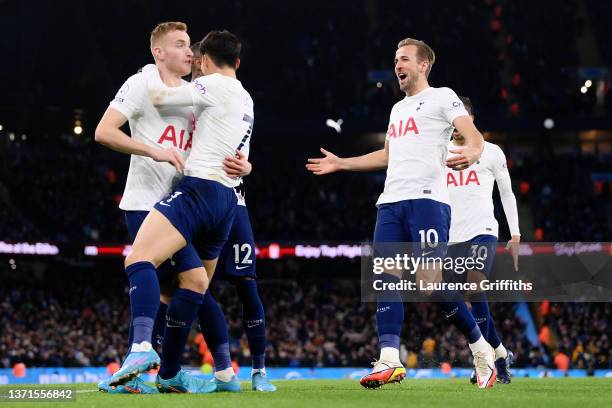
169,155
237,166
324,165
463,158
513,246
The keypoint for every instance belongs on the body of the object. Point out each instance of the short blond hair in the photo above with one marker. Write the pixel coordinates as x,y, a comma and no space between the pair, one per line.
164,28
424,52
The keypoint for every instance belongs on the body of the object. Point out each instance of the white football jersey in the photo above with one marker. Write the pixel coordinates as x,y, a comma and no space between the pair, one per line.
419,129
224,112
471,196
149,181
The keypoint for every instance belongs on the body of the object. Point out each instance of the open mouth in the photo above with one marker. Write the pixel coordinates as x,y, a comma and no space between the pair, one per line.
402,76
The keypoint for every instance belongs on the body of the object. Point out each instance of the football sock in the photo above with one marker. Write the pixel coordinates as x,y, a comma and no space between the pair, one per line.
500,351
225,375
492,336
144,299
389,317
253,320
480,345
461,317
214,330
484,319
389,354
159,326
179,318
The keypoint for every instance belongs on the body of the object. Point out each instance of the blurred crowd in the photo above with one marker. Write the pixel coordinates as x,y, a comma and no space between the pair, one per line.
69,191
309,323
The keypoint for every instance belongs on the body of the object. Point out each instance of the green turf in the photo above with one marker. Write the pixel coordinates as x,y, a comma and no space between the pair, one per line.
556,393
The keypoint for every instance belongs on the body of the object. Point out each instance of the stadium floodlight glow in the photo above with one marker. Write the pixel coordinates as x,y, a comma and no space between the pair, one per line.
584,89
1,127
379,84
11,136
549,123
588,83
24,137
77,130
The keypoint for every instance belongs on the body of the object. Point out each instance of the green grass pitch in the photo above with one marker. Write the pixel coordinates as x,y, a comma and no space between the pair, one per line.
556,393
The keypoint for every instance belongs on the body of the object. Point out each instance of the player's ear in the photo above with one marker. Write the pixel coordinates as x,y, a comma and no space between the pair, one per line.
157,52
237,64
424,66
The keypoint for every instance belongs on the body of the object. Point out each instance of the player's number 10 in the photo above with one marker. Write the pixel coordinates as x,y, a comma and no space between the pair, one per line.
429,238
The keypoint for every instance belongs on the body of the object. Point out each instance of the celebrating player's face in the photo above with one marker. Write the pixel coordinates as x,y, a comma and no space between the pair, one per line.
175,52
407,67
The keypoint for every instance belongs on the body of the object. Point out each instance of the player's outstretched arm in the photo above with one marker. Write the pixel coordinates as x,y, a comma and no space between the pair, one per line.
179,96
474,144
504,184
331,163
109,134
238,166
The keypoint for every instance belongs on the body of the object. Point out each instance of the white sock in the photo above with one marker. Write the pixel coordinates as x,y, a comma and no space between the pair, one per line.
480,345
390,354
258,370
501,352
140,347
225,375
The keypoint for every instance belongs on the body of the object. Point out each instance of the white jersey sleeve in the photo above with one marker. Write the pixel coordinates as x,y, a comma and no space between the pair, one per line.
451,106
202,93
504,184
130,97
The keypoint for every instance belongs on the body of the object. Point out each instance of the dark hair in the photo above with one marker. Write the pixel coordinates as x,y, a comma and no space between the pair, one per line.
467,102
195,48
222,47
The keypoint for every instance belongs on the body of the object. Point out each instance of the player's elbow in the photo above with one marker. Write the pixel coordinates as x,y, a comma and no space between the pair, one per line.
100,135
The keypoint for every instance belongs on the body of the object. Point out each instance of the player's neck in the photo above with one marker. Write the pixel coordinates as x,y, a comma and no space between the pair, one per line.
169,78
419,87
225,71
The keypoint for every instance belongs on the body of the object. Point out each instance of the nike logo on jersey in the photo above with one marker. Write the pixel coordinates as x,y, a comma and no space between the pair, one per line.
242,267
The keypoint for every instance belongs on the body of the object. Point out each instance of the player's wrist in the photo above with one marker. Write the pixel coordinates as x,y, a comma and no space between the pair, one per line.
344,164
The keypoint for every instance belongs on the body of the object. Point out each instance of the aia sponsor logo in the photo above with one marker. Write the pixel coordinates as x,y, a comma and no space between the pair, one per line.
403,128
463,178
180,142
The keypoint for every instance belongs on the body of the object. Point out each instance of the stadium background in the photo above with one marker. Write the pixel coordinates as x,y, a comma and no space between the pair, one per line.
63,302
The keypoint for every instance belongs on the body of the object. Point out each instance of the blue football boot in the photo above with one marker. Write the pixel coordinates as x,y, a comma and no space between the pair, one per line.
261,383
232,385
135,363
134,386
184,383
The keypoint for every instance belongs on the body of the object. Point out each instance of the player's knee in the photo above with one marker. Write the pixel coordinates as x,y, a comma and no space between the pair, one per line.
132,258
194,279
139,256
